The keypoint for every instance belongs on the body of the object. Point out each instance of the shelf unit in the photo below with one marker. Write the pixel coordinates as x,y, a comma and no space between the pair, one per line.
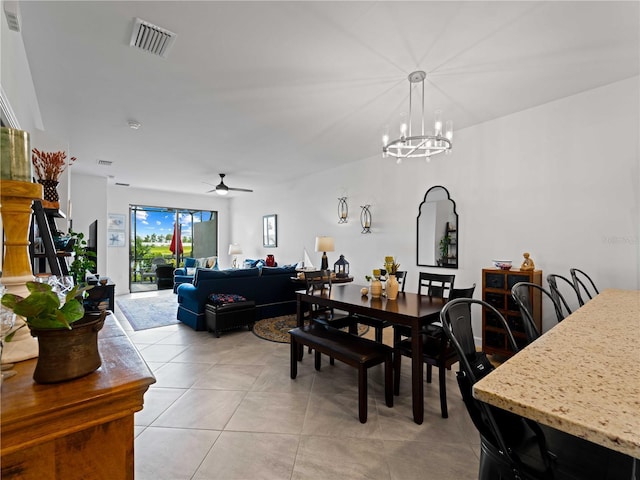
42,225
496,291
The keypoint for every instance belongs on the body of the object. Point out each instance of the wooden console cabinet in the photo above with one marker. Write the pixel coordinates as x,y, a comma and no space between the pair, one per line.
496,290
81,429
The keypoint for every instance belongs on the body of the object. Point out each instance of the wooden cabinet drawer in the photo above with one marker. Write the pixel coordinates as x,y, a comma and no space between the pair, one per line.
494,280
496,300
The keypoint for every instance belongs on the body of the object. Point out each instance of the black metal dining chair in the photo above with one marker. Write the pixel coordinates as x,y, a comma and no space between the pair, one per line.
513,447
522,293
580,280
554,281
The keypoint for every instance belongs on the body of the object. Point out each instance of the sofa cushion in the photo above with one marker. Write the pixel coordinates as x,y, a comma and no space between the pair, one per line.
224,298
278,270
190,262
191,270
210,274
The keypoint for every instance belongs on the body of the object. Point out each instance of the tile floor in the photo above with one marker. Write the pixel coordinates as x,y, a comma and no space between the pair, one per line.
225,408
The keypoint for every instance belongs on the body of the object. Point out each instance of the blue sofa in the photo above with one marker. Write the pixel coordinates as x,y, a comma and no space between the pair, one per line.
270,288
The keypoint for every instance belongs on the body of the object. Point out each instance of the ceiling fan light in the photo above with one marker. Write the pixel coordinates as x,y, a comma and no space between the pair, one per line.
222,191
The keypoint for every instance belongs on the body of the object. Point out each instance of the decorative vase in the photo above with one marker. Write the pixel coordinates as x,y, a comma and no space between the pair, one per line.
376,288
392,287
50,193
271,261
67,354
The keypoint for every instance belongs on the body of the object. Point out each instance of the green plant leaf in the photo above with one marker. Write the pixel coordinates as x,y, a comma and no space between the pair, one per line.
72,311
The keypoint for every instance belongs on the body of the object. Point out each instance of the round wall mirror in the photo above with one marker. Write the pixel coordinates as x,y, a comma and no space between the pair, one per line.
437,239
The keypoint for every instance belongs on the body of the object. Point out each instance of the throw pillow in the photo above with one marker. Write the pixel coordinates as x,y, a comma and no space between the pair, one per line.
191,270
224,298
212,262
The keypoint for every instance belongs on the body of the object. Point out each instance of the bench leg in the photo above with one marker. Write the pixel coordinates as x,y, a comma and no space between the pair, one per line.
388,381
362,393
428,373
294,358
318,360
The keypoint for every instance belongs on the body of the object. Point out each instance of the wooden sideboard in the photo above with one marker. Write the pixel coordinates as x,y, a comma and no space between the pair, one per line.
496,290
78,429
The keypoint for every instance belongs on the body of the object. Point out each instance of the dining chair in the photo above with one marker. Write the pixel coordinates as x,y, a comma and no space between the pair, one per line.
320,282
317,283
431,284
376,323
521,293
513,447
436,348
501,432
580,280
556,294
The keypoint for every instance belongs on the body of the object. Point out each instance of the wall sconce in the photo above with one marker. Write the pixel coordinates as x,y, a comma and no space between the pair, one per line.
343,210
365,219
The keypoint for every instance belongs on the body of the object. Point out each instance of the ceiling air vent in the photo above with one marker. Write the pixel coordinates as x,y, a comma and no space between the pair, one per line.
122,184
105,163
151,38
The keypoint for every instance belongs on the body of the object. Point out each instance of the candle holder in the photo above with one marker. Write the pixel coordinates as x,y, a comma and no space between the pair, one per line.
343,210
365,218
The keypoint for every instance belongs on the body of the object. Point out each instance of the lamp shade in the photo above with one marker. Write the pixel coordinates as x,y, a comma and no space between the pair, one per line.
235,249
324,244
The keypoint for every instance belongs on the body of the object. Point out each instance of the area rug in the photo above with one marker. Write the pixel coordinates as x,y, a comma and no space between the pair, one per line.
143,313
276,329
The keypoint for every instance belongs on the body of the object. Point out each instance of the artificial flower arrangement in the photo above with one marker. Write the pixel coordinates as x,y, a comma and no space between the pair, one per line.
390,265
49,165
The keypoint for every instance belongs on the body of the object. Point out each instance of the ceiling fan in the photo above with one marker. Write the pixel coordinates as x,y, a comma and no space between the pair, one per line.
222,189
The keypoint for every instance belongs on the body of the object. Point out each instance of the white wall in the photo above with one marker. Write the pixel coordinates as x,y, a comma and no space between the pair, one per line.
560,181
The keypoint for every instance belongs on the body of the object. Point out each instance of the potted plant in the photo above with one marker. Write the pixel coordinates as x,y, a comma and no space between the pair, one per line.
67,336
83,259
48,167
444,248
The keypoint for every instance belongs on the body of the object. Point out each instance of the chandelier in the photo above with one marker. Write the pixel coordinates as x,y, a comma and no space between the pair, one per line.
414,141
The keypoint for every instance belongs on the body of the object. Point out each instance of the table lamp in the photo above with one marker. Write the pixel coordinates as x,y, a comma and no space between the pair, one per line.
324,245
235,249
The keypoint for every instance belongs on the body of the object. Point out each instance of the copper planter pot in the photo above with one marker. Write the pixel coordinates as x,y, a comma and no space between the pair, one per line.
68,354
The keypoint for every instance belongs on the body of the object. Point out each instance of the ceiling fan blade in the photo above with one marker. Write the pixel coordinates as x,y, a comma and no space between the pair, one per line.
209,191
240,189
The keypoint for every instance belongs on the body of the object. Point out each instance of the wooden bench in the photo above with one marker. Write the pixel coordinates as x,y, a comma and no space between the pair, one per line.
355,351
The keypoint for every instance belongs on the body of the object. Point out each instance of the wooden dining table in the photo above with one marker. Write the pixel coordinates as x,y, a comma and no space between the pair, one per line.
408,309
581,377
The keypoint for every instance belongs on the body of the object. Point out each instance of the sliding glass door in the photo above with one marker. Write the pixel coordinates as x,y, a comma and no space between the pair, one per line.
165,235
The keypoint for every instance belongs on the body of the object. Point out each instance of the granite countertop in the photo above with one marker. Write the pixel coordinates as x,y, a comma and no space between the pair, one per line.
582,376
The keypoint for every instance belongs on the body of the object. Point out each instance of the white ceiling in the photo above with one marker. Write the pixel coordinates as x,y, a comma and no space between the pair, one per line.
269,91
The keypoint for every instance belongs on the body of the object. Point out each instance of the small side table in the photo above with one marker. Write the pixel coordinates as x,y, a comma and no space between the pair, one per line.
101,297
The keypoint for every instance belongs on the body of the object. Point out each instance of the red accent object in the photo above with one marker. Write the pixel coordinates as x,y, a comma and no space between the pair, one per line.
271,261
176,233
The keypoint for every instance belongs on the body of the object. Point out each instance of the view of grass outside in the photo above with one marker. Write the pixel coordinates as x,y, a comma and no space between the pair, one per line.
153,229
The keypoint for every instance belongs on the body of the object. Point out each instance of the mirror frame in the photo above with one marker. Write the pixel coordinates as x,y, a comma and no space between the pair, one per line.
455,213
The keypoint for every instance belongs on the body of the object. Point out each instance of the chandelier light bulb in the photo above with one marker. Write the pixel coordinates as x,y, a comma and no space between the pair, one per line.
449,130
403,129
385,139
438,122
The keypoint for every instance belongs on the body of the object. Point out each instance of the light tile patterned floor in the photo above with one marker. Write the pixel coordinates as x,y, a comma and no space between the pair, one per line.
225,408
